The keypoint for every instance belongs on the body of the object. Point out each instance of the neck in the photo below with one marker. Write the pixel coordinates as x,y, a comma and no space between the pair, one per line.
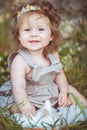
38,53
39,58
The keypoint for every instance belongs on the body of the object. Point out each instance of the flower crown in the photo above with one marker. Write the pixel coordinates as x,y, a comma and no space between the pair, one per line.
26,9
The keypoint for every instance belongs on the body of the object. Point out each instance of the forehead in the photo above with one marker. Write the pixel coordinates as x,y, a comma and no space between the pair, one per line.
34,19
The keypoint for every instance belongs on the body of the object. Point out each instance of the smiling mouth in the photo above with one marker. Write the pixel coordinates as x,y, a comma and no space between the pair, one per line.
34,41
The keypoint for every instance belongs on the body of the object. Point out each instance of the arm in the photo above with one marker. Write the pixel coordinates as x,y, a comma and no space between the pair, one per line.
63,86
18,72
62,83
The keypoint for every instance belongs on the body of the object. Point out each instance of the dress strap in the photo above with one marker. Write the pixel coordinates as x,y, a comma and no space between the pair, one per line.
53,59
55,67
27,58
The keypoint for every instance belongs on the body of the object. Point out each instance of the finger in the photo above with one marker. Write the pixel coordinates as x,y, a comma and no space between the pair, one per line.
59,100
69,103
65,104
30,115
33,113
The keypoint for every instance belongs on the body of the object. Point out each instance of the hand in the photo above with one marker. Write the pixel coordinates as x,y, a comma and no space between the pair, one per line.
28,110
64,99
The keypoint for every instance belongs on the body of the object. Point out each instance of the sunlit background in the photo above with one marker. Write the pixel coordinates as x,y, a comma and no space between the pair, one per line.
73,28
73,50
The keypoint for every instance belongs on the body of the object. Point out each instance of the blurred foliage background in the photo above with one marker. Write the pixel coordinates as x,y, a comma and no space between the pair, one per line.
73,50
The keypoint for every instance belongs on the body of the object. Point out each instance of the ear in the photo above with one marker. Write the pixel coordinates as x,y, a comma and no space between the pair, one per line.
51,38
19,37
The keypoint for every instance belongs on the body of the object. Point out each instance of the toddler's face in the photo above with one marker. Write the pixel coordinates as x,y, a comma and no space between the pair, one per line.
35,32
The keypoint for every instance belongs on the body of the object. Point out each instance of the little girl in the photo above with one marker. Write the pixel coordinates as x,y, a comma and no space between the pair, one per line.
36,71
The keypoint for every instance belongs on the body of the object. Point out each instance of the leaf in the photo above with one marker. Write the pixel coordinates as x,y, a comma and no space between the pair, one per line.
79,103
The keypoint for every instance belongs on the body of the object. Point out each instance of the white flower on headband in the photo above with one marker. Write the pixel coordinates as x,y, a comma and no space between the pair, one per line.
26,9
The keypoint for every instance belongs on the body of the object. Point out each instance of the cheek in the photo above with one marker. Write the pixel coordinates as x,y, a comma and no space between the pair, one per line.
49,38
23,37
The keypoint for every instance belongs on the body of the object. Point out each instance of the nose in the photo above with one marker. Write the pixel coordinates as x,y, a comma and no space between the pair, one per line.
34,33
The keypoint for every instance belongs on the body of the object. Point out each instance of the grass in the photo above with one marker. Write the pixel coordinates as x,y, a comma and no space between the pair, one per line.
77,76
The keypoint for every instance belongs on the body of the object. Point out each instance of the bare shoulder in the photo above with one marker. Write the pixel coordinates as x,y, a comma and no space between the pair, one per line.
19,63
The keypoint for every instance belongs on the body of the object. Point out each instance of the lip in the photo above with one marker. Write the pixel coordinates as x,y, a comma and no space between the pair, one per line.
34,41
